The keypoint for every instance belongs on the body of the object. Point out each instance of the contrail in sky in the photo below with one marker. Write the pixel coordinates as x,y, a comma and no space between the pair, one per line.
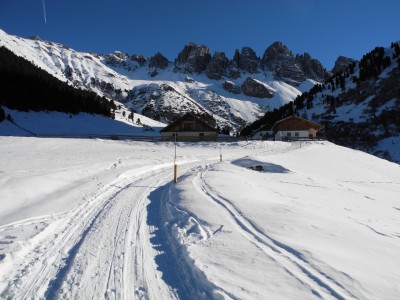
44,12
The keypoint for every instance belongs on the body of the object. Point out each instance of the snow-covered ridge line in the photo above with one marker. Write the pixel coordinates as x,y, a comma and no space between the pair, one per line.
99,73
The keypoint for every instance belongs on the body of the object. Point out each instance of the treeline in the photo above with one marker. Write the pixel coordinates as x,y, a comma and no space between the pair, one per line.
270,117
25,87
373,63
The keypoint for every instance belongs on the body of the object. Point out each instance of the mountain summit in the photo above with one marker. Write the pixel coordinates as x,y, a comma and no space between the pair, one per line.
233,91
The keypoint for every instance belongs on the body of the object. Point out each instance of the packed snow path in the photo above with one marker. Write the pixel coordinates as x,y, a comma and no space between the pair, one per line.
102,220
99,250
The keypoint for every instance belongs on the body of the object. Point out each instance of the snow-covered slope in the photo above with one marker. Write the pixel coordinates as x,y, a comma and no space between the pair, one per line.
83,124
101,219
359,106
121,77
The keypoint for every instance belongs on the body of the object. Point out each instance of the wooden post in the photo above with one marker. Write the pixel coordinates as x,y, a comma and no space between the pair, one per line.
220,154
175,173
175,165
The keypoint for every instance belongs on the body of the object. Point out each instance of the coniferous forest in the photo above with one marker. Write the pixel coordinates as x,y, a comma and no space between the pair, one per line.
24,86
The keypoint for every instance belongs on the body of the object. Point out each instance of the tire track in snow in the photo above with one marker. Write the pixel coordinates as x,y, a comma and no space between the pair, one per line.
321,284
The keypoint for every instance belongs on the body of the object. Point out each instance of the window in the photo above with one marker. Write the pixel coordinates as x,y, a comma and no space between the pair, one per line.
201,134
296,134
289,134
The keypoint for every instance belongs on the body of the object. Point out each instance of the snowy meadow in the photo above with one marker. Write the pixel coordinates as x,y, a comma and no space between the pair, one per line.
102,219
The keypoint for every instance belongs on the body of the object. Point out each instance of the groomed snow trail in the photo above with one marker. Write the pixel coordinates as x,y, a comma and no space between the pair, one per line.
100,250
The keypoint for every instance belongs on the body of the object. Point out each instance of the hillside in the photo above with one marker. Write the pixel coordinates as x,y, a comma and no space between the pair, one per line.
27,87
234,91
31,123
99,218
359,106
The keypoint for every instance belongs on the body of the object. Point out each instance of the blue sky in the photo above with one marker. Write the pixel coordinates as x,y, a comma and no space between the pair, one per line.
323,28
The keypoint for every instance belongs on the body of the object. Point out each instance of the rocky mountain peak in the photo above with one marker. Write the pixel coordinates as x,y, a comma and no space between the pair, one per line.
139,58
312,68
246,60
193,58
293,70
276,50
280,60
158,61
217,66
341,64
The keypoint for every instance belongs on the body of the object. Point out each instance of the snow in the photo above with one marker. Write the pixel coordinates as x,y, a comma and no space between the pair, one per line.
79,124
102,219
306,85
392,146
60,60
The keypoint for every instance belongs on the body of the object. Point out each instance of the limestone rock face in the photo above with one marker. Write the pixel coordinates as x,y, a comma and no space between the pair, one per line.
312,68
254,88
246,60
341,64
158,61
280,60
231,87
293,70
217,66
193,59
139,58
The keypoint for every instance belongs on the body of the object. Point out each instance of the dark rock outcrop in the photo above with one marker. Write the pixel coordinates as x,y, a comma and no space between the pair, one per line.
115,58
231,87
153,73
312,68
255,88
139,58
293,70
36,38
217,66
193,59
341,64
280,60
158,61
246,60
125,61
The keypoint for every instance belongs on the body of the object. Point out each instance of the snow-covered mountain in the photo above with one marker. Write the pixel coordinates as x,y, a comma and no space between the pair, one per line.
235,92
359,106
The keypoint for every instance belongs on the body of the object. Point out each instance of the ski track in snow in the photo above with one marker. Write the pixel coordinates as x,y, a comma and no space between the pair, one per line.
113,225
123,242
320,283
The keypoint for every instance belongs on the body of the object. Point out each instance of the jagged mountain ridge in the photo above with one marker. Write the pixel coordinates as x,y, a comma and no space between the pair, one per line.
194,82
359,106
